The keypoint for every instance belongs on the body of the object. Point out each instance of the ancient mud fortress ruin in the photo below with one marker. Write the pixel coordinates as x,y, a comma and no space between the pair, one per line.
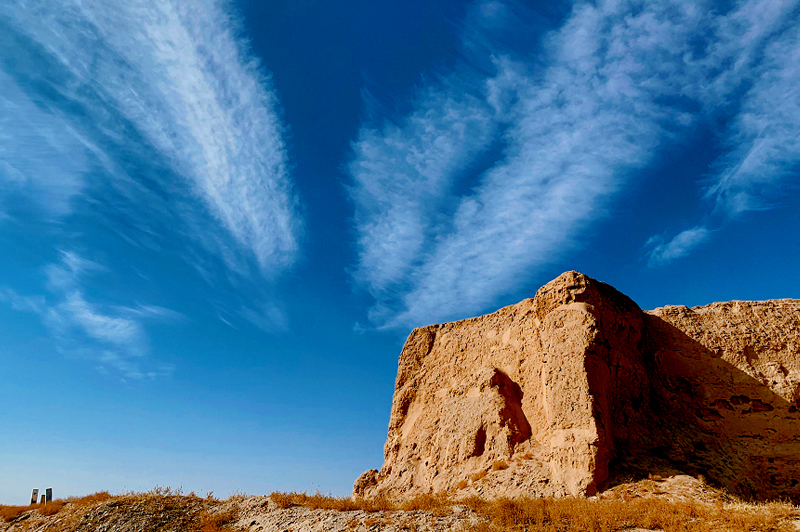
558,394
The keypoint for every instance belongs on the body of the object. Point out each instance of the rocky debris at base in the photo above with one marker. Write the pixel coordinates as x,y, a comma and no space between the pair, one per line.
676,488
124,513
252,514
260,514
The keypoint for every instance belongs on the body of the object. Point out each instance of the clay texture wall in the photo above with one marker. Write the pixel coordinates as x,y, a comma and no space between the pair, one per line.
552,395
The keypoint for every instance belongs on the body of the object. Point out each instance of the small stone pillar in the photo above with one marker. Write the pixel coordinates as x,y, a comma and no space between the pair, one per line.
49,495
34,495
41,501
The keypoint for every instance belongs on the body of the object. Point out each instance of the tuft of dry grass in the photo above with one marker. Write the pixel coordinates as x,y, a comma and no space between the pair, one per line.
51,508
216,522
89,500
379,504
12,513
436,504
499,465
477,476
316,501
462,484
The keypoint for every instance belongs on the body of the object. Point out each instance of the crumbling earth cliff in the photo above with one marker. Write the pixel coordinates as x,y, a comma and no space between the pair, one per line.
552,395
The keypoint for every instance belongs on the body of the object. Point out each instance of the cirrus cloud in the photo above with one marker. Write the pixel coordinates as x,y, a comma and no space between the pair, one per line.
143,130
160,97
111,336
577,119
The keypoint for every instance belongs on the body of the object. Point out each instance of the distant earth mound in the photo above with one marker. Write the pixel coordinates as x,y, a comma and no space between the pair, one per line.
578,388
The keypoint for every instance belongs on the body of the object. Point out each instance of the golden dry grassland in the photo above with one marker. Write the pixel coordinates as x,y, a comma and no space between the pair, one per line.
168,509
579,514
10,513
176,510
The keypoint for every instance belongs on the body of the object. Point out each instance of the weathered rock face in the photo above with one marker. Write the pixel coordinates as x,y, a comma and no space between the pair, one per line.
726,381
547,396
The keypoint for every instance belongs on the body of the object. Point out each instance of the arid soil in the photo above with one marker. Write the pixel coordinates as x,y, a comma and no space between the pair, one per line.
675,504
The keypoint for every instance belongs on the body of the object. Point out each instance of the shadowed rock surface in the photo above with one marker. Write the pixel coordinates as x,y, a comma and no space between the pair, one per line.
559,394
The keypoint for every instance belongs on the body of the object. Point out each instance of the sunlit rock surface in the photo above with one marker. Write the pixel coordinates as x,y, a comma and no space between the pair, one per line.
552,395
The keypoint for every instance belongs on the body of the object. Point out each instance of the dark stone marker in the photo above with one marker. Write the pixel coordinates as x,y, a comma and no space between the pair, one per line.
41,501
34,496
49,492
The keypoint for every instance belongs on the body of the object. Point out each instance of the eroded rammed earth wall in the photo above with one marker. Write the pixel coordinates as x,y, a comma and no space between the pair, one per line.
568,386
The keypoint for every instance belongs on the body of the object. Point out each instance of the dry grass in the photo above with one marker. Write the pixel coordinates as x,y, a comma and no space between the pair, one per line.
89,500
51,508
216,522
159,508
170,510
477,476
499,465
577,514
438,504
434,504
316,501
11,513
189,512
584,515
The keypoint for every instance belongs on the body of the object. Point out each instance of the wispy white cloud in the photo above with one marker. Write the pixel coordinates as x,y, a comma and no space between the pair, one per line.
763,141
735,45
111,336
151,120
167,78
571,135
682,244
759,42
40,157
150,311
268,317
405,173
576,121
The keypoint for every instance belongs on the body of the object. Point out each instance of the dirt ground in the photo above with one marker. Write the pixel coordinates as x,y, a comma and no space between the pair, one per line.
679,503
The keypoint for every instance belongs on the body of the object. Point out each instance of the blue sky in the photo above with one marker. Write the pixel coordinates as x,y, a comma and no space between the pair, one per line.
219,221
